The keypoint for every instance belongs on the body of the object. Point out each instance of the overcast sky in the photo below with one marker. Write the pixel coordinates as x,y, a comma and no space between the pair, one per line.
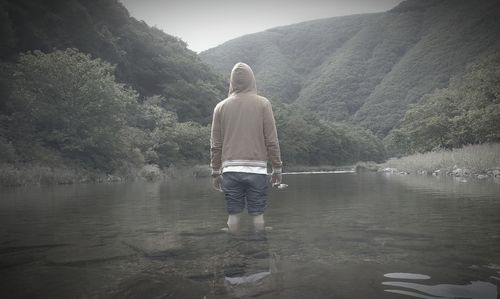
204,24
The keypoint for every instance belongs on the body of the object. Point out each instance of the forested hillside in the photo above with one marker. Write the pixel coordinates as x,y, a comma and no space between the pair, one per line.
367,69
146,59
85,88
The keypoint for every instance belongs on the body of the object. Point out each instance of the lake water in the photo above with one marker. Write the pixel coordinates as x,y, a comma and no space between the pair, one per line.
333,236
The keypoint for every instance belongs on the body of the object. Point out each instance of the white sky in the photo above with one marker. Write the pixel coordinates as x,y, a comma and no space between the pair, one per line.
204,24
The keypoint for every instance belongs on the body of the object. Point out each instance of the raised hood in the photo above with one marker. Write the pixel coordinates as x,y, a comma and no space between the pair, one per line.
242,79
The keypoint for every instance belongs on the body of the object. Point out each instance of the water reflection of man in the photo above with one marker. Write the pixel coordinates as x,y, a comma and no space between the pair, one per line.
248,266
243,139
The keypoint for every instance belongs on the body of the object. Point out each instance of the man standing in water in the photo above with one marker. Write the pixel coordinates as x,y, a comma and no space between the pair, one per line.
243,139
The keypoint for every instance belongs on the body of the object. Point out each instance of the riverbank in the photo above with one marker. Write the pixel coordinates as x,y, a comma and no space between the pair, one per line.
26,174
23,174
481,161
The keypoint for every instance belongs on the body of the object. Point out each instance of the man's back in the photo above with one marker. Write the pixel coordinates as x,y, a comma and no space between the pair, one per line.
243,127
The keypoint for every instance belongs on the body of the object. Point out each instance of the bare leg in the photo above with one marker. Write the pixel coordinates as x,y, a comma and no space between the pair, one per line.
258,222
233,223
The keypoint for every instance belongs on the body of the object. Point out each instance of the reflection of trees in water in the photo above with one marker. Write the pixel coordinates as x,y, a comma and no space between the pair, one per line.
447,185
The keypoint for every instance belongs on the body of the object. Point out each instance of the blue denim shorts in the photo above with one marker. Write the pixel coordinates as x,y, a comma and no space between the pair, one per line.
245,189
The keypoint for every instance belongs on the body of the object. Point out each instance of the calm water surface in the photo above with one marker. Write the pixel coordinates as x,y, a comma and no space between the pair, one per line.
333,236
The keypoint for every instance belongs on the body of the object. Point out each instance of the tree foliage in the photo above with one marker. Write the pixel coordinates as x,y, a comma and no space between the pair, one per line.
466,112
307,140
68,104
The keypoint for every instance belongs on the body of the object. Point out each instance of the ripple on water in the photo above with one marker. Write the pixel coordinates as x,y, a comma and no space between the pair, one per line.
473,290
406,276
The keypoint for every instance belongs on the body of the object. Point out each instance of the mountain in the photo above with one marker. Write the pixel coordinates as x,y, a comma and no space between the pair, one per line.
147,59
367,69
84,85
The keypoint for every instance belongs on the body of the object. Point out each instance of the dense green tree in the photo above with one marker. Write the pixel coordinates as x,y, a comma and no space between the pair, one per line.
67,101
480,105
428,125
155,131
307,140
66,104
466,112
193,140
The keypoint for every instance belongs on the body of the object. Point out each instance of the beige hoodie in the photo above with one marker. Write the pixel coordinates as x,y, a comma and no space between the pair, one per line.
243,127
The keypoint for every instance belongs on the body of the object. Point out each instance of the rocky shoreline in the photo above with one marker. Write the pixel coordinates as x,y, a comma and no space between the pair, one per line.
458,172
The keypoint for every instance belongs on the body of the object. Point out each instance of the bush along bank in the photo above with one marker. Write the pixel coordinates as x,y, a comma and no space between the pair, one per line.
481,161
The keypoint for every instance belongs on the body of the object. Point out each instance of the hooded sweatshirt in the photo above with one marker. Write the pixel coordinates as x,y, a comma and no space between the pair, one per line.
243,127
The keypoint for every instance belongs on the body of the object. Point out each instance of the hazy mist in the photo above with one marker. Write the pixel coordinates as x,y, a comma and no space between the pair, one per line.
206,24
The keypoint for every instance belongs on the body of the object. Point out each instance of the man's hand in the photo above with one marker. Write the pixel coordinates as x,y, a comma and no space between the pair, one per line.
275,178
217,182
